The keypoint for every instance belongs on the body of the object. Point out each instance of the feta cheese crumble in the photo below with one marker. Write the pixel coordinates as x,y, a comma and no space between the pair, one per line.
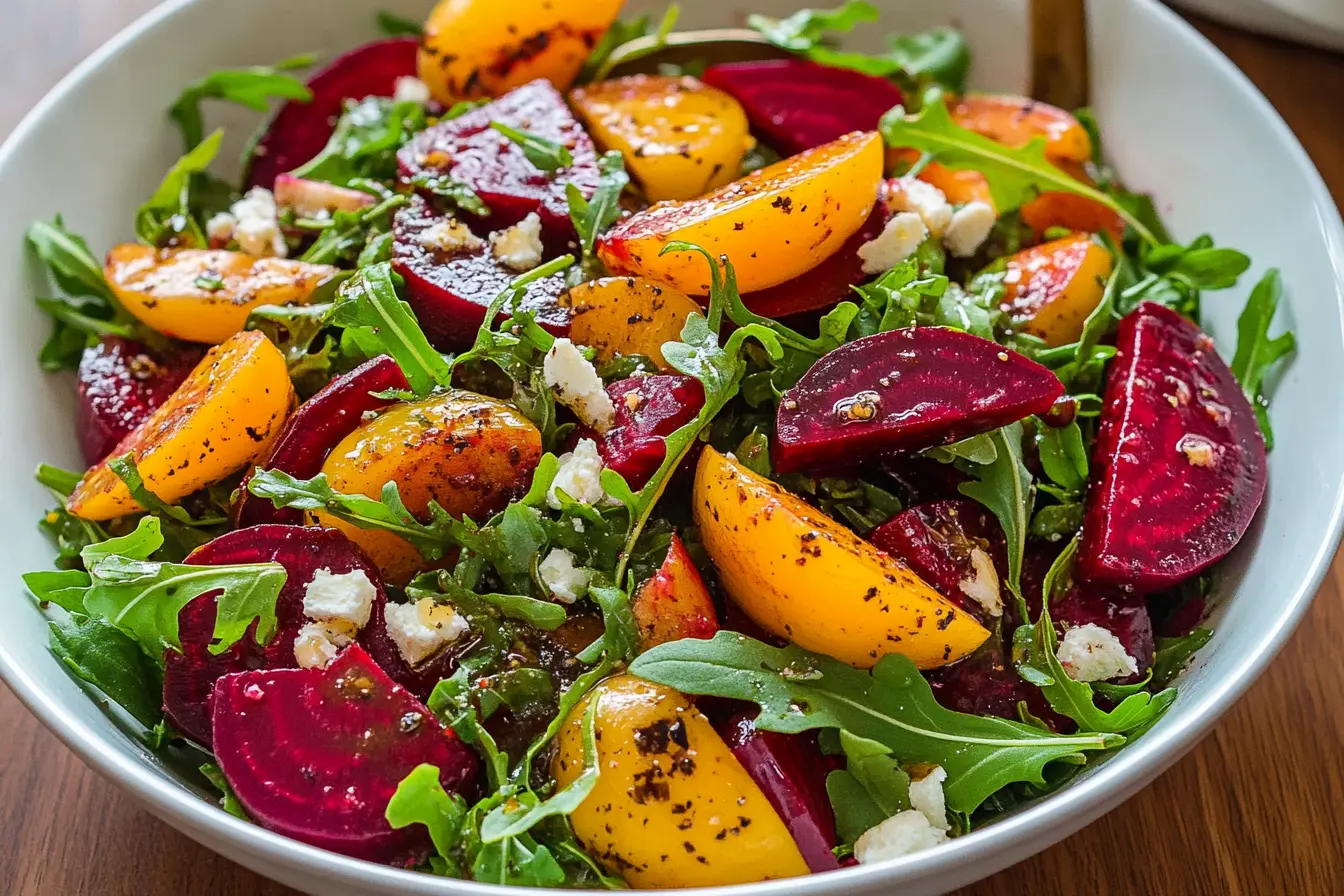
1091,653
423,628
450,235
256,228
410,89
220,229
926,795
566,581
904,833
579,476
910,194
897,241
317,645
342,601
982,586
969,228
578,386
519,248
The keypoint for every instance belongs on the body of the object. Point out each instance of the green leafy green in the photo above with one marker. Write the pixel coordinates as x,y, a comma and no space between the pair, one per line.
1005,488
228,801
625,42
546,155
100,654
894,706
365,142
349,235
392,25
421,799
1174,654
1064,456
167,214
870,789
253,88
69,533
369,303
1257,353
89,310
127,471
593,217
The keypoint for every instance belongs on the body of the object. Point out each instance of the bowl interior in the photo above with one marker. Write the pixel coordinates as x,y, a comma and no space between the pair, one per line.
1177,119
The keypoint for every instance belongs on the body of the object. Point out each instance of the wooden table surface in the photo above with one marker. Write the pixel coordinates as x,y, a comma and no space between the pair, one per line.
1255,809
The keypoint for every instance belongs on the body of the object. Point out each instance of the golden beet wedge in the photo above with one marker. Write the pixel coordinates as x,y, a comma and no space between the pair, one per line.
222,418
470,454
1015,120
774,224
628,316
205,295
801,575
680,137
1052,288
672,807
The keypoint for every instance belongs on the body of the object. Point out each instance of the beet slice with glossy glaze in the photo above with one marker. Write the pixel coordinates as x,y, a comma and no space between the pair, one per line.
905,390
299,131
189,676
317,427
120,385
1179,461
797,105
469,151
648,410
450,290
316,754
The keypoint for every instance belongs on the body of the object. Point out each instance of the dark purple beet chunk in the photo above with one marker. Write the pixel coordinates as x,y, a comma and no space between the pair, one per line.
316,754
449,291
905,390
797,105
468,150
791,772
299,131
1178,469
120,385
189,676
648,410
922,479
317,427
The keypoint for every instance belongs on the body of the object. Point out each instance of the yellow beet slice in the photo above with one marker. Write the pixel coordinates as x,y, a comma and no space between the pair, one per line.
173,291
801,575
672,806
1015,120
627,316
774,224
222,418
1052,288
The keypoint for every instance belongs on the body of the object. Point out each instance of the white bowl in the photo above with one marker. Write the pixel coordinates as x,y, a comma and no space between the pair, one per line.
1179,120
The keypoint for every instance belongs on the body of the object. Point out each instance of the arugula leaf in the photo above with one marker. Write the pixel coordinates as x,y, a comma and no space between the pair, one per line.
1064,456
894,706
393,25
90,310
806,29
1005,488
227,801
546,155
1201,264
74,268
593,217
68,533
902,297
127,471
349,234
1015,175
368,302
1056,521
365,142
251,87
872,787
1174,654
98,653
940,54
64,587
624,42
166,215
856,811
1256,352
421,799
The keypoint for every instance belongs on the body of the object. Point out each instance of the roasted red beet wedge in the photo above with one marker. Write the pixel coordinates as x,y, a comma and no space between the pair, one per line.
791,772
956,546
316,754
317,427
120,385
1179,463
648,410
905,390
467,150
797,105
449,291
189,676
299,131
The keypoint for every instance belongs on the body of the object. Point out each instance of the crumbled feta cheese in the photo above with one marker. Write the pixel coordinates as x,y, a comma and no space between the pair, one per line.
1091,653
904,833
578,386
257,231
450,235
926,795
342,601
566,581
220,229
982,586
579,476
897,241
410,89
423,628
519,248
910,194
317,645
969,228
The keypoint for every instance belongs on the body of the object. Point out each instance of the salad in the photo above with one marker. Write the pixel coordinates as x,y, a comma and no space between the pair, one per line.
568,458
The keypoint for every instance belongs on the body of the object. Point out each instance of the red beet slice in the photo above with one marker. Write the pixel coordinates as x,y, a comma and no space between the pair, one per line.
1179,462
419,680
317,427
189,676
828,283
797,105
648,410
791,772
316,754
467,150
299,131
905,390
922,479
449,292
120,385
938,542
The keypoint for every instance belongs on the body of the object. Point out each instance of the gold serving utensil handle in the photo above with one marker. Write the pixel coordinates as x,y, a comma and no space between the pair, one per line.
1059,70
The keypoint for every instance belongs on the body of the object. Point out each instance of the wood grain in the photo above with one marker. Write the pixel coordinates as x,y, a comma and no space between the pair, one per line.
1253,810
